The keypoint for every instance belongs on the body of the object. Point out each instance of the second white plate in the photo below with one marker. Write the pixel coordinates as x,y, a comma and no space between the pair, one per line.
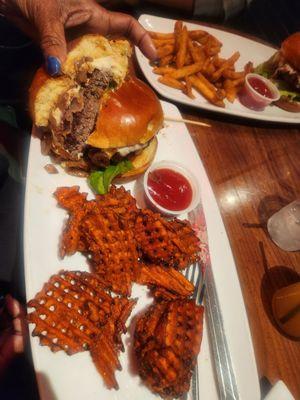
249,51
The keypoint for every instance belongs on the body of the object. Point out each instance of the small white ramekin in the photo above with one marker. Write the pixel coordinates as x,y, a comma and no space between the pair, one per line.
181,169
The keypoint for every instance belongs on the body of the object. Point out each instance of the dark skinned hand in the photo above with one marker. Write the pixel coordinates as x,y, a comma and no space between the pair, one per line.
46,21
12,332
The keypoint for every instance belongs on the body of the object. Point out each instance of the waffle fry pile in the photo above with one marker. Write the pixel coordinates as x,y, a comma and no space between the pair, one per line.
191,60
119,238
75,311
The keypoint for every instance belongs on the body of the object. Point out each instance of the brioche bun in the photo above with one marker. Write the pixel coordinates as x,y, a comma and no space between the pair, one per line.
129,115
44,93
290,50
97,52
142,161
100,53
290,55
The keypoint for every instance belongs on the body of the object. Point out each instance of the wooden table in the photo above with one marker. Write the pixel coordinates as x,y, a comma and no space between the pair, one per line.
254,170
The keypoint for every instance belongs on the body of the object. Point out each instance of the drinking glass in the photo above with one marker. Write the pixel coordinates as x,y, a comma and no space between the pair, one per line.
284,227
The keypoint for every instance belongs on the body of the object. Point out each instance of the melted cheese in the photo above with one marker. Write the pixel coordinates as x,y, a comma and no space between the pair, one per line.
124,151
114,64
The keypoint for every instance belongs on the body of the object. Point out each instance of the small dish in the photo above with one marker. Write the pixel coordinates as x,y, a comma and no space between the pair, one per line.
182,171
258,92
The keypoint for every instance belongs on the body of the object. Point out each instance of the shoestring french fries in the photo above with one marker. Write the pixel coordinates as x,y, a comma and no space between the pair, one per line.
191,60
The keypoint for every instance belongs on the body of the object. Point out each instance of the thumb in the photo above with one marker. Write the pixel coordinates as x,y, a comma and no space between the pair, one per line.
52,40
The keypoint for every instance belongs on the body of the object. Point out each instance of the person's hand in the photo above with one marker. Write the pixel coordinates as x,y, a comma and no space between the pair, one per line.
46,21
12,331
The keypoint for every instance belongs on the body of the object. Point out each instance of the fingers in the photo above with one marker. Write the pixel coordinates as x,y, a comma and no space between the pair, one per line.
13,307
114,23
50,26
12,346
19,331
12,339
124,24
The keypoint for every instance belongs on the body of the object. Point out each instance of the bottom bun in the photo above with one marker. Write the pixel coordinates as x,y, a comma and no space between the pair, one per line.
288,105
142,161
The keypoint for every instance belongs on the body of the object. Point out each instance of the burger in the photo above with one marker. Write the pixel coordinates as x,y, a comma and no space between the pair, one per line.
283,68
96,114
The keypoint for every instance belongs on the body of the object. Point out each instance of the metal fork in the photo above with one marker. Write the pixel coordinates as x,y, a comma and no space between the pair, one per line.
205,292
194,275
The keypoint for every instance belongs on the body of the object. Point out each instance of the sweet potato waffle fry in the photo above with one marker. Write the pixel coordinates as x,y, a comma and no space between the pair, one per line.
70,198
112,247
167,341
166,283
73,201
103,229
170,243
73,313
191,60
121,202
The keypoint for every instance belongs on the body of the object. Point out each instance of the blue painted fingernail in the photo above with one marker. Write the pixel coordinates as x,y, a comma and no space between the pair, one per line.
52,65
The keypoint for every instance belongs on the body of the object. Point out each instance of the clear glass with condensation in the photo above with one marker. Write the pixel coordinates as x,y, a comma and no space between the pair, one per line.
284,227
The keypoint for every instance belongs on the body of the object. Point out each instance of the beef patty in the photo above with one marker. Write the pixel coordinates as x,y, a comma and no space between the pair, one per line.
79,116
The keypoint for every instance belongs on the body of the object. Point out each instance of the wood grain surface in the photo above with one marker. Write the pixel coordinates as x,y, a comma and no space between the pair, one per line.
254,170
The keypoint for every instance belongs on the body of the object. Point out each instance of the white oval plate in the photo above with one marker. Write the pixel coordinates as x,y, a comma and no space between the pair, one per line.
249,51
61,377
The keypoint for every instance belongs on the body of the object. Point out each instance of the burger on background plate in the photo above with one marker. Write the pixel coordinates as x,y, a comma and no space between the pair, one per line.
283,68
95,114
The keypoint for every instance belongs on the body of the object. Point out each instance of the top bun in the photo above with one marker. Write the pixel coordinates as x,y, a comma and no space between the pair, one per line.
44,93
86,54
130,115
96,52
290,49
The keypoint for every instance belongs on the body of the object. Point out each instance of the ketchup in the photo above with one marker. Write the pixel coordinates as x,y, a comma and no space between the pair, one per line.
169,189
260,87
257,92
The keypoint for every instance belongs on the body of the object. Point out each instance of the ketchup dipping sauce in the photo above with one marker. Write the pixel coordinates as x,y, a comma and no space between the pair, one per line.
171,188
258,92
